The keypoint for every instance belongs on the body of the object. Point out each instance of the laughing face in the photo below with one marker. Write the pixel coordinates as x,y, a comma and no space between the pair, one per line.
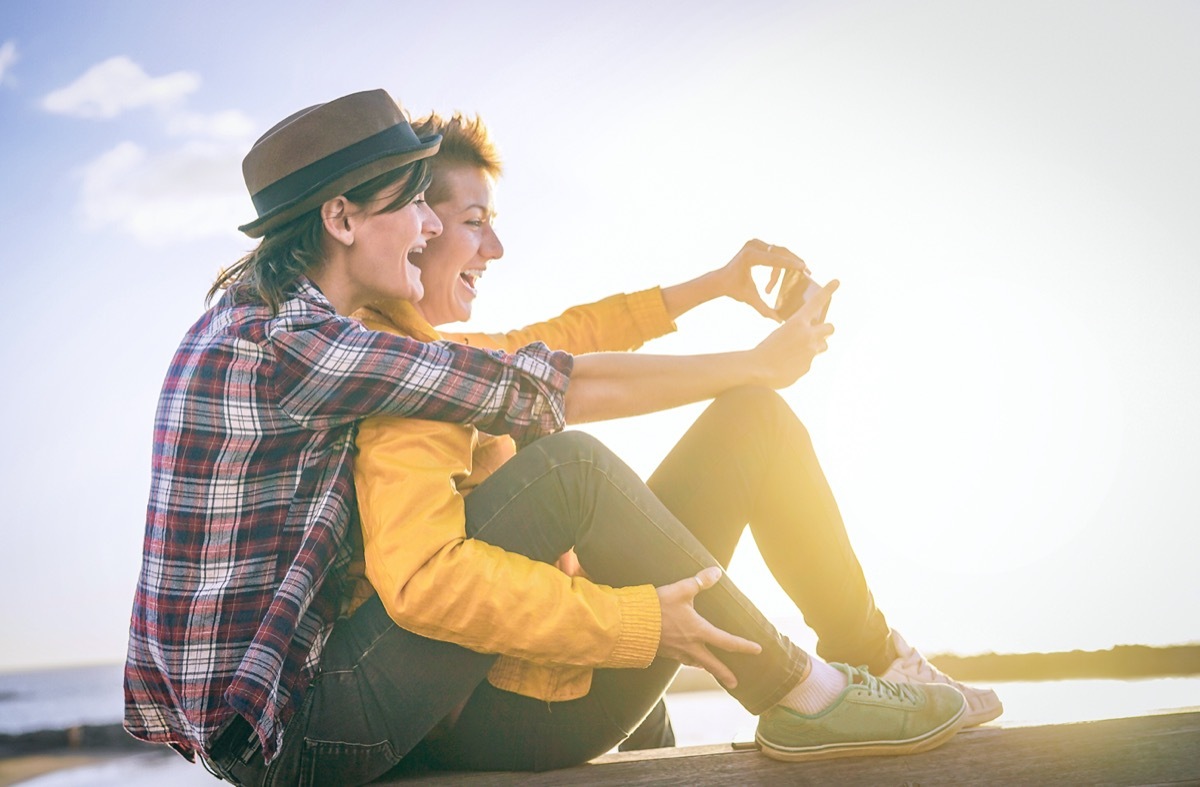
453,262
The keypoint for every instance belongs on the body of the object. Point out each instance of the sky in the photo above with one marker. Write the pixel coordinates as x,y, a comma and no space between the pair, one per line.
1007,191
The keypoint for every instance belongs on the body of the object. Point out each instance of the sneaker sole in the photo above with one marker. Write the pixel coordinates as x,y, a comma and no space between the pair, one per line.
930,740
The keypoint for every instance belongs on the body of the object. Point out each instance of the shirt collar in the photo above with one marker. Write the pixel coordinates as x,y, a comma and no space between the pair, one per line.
307,291
404,317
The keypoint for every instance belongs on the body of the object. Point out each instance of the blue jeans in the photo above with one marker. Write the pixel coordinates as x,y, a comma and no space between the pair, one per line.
381,690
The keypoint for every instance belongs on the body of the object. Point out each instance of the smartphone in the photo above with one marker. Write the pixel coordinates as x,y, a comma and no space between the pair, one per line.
796,289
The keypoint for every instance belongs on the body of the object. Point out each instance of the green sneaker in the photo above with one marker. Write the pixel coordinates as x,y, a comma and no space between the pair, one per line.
871,717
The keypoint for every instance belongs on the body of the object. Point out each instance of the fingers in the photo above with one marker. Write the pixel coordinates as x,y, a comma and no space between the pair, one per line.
720,638
687,636
713,666
815,306
706,579
818,343
710,634
762,308
763,253
699,655
771,282
738,282
687,589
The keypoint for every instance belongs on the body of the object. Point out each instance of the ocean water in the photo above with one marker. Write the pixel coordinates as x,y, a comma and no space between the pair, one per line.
60,698
54,699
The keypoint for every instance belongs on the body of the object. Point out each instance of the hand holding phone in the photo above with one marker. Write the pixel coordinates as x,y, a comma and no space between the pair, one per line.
796,289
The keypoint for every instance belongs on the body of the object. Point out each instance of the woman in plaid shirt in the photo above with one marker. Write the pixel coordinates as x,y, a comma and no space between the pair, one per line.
252,492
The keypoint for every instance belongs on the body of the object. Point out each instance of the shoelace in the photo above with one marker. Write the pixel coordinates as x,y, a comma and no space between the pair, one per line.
883,688
915,661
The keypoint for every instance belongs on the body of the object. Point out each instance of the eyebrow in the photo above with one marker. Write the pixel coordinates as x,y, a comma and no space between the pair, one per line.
483,208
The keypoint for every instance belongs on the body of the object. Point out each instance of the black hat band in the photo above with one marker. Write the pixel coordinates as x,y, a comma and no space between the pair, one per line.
391,141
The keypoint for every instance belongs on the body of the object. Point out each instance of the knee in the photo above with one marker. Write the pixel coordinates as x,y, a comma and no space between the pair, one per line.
579,455
756,407
752,397
572,445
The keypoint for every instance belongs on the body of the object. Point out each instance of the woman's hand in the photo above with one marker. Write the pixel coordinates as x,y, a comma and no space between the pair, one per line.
734,280
787,353
686,636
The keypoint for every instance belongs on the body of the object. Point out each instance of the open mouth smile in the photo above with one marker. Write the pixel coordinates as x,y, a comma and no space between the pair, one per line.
471,278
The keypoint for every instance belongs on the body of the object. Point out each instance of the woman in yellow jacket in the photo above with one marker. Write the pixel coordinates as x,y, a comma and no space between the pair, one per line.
460,565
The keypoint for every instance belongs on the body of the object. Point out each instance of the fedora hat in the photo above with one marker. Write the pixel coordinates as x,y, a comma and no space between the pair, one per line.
326,150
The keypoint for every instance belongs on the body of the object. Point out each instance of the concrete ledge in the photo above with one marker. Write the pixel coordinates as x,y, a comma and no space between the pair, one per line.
1143,750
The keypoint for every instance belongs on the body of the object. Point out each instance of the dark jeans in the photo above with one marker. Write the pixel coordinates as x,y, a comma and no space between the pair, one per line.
380,689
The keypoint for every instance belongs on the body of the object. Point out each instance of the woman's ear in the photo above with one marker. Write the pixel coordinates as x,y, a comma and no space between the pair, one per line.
338,220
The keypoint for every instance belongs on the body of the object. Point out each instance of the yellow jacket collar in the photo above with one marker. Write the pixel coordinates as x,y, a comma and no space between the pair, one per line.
404,318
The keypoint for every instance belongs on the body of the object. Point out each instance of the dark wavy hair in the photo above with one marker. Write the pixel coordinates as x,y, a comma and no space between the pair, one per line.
292,250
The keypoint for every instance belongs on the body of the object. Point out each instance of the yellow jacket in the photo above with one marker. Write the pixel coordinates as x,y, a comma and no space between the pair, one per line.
551,629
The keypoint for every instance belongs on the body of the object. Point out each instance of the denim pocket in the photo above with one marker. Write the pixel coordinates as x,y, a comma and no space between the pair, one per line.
328,762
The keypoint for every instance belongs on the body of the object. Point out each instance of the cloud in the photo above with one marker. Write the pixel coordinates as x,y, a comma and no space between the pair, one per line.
8,56
229,124
181,195
188,191
107,89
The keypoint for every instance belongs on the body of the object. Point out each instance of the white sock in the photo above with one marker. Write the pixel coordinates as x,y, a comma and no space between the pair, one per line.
818,691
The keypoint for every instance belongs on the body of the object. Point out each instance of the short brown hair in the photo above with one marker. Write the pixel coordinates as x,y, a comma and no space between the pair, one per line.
466,141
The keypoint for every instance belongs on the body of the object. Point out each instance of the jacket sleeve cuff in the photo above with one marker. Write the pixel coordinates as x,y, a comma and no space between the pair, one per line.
641,625
650,313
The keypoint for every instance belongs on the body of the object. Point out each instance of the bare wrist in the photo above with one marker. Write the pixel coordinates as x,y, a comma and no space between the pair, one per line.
752,368
714,284
682,298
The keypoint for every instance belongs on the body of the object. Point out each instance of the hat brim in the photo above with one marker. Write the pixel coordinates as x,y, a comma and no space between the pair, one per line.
338,184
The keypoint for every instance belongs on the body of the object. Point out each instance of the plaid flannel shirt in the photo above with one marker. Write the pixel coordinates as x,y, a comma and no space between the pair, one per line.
252,495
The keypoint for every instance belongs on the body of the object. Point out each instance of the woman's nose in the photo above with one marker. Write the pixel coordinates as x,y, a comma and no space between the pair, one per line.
431,225
492,248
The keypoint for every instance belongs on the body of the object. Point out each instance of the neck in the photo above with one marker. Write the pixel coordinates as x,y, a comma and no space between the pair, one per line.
431,319
336,288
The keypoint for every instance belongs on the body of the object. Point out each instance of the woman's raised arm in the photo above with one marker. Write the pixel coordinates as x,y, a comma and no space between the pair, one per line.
616,385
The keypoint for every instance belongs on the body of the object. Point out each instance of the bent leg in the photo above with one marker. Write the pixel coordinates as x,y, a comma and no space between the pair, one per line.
749,460
573,492
569,491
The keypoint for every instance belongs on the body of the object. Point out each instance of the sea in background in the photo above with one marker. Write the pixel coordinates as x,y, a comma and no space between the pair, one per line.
57,699
63,698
